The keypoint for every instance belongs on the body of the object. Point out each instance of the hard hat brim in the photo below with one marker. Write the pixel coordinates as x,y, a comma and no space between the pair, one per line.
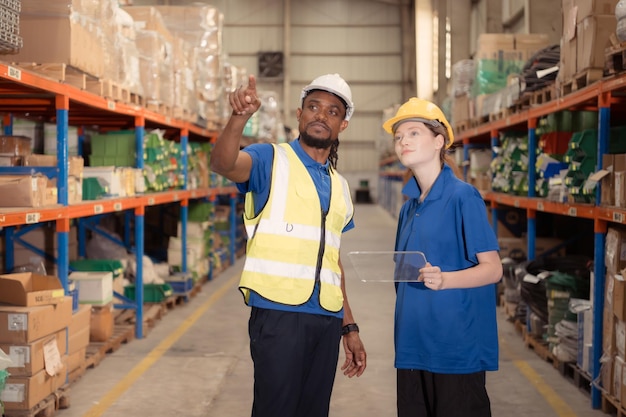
389,125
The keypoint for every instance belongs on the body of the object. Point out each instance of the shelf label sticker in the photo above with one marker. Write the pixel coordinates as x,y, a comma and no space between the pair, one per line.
32,218
176,198
516,203
618,217
15,73
98,209
151,201
540,206
572,211
110,104
117,206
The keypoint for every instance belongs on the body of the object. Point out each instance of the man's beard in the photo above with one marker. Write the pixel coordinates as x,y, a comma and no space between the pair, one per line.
315,142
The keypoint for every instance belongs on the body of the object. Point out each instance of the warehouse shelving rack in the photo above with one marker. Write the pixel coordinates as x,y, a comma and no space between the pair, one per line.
607,98
34,96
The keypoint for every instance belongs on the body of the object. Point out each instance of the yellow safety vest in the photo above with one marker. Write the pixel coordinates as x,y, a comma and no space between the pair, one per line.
289,243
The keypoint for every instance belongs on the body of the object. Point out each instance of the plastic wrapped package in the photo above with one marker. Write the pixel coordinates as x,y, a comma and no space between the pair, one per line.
620,15
155,65
209,73
463,74
269,117
94,9
198,24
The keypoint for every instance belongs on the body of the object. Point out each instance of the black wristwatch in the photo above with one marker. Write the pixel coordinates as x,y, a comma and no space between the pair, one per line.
352,327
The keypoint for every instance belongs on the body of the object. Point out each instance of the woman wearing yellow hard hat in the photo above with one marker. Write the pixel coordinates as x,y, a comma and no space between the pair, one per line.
445,322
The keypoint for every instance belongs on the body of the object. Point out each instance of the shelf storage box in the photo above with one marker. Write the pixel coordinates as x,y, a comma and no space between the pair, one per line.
152,293
95,288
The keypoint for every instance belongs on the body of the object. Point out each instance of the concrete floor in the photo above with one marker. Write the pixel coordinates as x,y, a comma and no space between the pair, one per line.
195,361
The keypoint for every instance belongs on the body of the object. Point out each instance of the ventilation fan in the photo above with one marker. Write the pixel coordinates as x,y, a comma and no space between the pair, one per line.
270,64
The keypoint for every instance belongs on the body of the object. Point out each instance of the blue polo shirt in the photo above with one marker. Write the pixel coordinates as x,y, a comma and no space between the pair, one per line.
259,185
448,331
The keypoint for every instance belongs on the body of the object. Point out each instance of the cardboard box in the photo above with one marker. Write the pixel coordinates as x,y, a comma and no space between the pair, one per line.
102,323
25,392
529,43
26,324
615,250
619,300
30,289
61,40
79,329
606,375
594,7
29,358
593,36
618,369
77,360
608,328
38,160
75,163
620,184
22,190
607,195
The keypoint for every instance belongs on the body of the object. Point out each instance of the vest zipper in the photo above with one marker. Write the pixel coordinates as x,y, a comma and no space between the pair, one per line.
320,254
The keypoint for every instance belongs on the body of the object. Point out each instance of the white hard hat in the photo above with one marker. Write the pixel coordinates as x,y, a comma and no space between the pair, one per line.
333,83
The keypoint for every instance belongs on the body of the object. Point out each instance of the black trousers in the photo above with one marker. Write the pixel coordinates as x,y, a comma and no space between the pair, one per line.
295,360
425,394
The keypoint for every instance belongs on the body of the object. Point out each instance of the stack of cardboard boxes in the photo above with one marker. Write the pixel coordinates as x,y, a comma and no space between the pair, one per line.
588,26
34,317
614,320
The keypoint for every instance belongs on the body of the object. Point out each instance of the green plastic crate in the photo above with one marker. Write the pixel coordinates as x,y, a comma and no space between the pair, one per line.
92,189
101,160
152,293
114,143
99,265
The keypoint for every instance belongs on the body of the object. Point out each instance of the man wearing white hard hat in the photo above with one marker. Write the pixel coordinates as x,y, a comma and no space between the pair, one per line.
297,207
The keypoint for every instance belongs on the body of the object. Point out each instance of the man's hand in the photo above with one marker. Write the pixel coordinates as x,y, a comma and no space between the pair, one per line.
356,358
244,100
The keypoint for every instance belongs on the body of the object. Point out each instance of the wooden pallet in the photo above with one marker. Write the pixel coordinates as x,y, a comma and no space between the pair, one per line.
581,80
96,351
60,399
478,121
499,115
62,73
615,59
509,309
540,347
610,405
574,374
158,107
544,95
184,297
462,126
152,313
522,103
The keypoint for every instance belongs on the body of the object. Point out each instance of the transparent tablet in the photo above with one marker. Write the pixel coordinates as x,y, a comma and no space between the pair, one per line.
387,266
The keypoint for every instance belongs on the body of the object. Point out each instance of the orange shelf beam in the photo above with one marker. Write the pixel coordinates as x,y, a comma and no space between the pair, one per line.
30,215
611,214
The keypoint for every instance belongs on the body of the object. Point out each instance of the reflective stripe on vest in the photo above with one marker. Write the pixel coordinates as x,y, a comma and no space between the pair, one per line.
284,239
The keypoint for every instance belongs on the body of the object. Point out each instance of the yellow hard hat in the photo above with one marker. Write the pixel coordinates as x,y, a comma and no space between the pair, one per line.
420,110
